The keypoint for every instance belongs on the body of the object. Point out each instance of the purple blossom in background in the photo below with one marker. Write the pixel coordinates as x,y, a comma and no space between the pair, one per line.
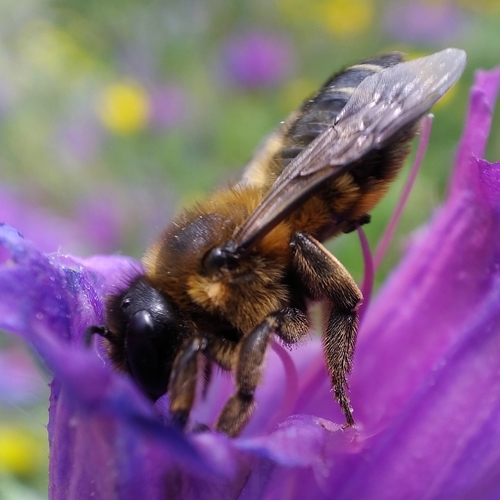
48,230
425,385
257,59
100,218
416,21
102,222
95,224
168,106
20,381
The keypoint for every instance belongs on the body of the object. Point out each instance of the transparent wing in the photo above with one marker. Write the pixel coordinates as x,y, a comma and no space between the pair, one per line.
382,106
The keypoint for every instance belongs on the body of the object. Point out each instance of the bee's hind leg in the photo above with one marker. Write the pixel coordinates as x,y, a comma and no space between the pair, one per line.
327,279
290,324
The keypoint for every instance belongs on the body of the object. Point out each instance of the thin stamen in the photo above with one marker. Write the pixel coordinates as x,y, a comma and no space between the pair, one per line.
396,216
369,274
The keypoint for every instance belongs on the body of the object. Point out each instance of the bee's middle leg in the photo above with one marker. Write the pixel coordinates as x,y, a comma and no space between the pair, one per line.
290,324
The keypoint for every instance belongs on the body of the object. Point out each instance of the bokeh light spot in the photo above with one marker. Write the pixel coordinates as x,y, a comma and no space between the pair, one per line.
345,17
19,450
124,107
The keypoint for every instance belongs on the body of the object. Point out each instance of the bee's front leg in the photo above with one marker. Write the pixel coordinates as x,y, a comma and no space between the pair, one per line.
290,324
327,279
183,379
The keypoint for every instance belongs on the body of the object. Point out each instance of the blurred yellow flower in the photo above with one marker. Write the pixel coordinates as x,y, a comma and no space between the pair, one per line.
20,451
345,17
340,17
481,6
124,107
54,51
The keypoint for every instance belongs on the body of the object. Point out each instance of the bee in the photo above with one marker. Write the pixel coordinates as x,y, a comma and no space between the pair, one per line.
235,270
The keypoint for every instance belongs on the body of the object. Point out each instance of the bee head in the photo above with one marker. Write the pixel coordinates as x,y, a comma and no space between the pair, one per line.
145,333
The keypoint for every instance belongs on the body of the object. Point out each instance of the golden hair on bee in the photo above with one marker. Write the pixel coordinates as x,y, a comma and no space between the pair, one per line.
242,266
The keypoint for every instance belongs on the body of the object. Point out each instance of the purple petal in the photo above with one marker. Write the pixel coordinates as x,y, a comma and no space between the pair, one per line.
443,443
478,123
49,300
302,440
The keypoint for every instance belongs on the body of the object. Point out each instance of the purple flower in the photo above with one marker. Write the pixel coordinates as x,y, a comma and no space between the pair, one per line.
256,59
20,382
95,223
425,385
168,106
22,210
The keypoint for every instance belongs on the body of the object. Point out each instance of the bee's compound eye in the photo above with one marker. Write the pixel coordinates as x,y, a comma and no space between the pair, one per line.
143,354
217,259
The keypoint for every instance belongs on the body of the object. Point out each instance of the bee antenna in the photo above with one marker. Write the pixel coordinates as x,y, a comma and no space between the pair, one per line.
95,330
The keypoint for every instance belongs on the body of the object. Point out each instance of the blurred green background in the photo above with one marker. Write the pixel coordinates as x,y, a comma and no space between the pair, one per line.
115,113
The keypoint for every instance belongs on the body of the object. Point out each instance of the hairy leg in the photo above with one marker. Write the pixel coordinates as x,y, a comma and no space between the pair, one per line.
327,279
183,379
290,324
